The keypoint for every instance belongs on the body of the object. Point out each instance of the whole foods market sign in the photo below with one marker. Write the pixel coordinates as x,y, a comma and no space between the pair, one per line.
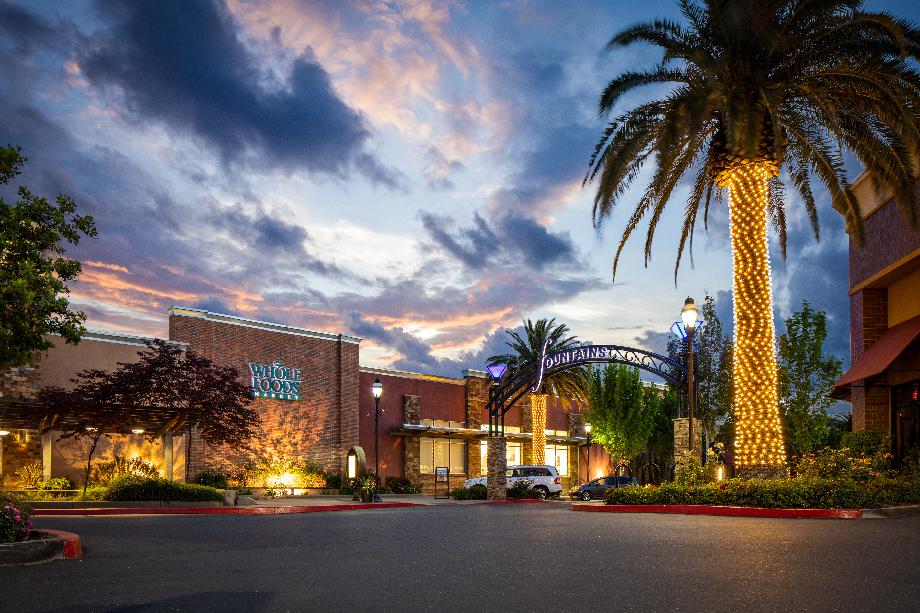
275,381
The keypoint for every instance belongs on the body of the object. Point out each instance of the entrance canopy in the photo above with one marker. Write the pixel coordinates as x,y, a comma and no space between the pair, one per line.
880,355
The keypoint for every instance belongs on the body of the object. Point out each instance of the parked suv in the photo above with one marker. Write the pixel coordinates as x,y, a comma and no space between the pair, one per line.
599,487
545,479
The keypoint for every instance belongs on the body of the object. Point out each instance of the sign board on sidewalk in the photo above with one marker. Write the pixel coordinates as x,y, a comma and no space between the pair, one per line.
441,475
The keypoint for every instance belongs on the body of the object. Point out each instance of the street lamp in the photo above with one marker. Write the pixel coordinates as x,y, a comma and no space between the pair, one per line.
496,372
377,390
689,315
588,433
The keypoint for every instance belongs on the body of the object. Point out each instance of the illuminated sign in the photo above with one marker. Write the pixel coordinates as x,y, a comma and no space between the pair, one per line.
275,381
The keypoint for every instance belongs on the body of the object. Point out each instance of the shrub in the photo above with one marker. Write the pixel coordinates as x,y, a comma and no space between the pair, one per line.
401,485
212,479
474,492
842,463
15,521
30,476
689,470
118,466
866,442
285,474
777,493
522,488
57,483
130,487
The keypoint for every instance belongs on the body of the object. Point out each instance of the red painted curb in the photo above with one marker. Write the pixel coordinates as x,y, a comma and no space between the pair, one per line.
699,509
224,510
72,548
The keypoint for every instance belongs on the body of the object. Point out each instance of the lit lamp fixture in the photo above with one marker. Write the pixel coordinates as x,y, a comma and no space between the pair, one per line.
136,430
3,432
497,371
377,391
688,315
588,434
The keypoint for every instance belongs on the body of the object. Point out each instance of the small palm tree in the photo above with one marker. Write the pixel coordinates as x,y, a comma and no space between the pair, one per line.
760,86
567,385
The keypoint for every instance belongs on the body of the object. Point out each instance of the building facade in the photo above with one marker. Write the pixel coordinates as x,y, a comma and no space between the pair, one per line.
315,404
882,382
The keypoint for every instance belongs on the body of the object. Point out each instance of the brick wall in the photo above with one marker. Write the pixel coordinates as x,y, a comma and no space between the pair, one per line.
320,427
868,321
888,239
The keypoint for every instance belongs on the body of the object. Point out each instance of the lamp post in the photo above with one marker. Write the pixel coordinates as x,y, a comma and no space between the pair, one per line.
377,390
588,469
496,372
688,315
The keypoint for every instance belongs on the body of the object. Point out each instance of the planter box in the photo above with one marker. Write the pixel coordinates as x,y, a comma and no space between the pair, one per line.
42,546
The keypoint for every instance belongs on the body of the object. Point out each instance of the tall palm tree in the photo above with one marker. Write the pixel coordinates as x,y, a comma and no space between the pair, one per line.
567,385
759,86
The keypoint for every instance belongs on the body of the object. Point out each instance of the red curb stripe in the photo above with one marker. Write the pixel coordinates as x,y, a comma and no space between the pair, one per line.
223,510
694,509
72,548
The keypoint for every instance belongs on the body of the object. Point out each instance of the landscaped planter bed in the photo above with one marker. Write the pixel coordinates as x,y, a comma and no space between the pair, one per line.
42,546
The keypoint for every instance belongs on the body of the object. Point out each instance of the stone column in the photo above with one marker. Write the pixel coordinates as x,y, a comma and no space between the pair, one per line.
46,455
682,434
166,442
498,465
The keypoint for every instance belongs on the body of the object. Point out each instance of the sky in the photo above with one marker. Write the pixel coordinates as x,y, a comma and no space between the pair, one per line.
409,172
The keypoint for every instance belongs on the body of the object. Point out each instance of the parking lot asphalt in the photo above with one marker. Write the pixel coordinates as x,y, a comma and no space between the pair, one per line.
469,558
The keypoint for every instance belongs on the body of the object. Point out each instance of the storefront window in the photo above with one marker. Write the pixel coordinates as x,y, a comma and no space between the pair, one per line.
434,452
558,456
512,455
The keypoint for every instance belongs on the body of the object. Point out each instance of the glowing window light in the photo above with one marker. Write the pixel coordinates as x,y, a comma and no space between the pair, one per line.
758,430
352,467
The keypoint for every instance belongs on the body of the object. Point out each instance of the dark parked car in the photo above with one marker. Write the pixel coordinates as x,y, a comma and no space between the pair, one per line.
599,487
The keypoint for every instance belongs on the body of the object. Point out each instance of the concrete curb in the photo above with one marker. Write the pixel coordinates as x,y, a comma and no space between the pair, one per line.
698,509
516,500
224,510
912,510
50,545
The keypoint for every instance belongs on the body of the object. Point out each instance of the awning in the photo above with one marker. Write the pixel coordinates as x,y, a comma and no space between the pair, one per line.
880,355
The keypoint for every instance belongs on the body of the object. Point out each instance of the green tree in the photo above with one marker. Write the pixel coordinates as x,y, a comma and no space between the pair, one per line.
567,385
33,270
806,377
760,86
622,411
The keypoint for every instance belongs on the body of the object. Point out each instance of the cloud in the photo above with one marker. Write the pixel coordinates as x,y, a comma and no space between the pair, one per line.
183,63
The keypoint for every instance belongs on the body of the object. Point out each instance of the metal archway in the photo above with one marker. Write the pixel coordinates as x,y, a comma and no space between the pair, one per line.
529,377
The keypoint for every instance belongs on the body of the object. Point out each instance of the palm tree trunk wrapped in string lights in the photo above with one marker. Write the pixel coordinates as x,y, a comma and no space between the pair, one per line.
760,87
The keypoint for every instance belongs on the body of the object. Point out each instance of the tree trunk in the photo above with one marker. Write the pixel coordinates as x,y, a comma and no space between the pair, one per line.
538,421
89,462
188,451
758,430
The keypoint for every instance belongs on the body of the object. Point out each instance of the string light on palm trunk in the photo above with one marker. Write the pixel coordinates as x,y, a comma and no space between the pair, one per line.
758,430
538,415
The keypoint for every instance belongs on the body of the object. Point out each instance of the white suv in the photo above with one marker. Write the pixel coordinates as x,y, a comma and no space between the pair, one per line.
545,479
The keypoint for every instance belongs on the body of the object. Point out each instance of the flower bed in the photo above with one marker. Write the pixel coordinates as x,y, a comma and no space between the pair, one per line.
798,493
15,521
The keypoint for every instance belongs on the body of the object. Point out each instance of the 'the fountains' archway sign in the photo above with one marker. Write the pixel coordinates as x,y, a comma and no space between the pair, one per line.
275,381
530,376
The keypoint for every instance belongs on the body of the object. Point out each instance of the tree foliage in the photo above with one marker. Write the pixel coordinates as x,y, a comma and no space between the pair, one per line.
568,384
622,411
790,82
806,377
189,390
33,270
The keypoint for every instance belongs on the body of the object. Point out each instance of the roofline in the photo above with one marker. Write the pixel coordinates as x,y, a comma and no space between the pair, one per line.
123,338
180,311
409,375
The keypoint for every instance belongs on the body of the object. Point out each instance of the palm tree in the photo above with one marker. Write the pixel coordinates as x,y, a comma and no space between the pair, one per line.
760,86
566,385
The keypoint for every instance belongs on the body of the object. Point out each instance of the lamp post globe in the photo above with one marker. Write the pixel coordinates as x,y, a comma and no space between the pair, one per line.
377,391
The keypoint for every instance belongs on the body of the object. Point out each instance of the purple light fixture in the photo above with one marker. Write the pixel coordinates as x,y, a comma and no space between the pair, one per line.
497,371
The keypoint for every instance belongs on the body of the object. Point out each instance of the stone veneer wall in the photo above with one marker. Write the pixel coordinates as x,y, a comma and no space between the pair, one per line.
477,396
320,428
682,434
497,481
20,447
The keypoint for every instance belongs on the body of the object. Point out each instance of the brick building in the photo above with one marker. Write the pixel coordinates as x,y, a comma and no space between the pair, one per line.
882,382
315,403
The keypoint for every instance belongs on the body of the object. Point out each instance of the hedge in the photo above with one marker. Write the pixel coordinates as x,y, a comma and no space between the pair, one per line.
778,493
130,487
